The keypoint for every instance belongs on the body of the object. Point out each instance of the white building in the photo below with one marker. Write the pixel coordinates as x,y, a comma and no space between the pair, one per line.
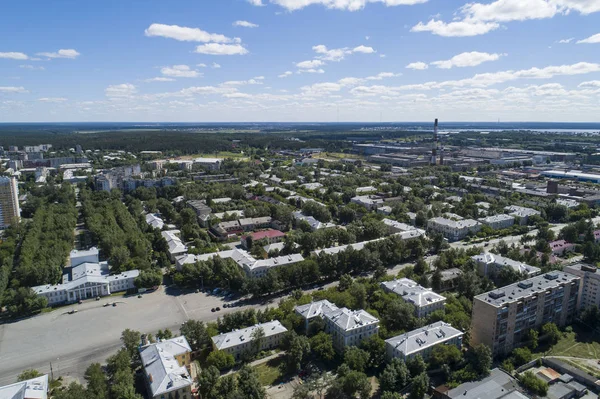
498,222
405,235
422,341
155,221
314,223
489,264
398,227
314,309
88,278
522,213
35,388
350,327
166,368
209,163
10,212
176,246
240,341
371,202
424,299
589,288
453,230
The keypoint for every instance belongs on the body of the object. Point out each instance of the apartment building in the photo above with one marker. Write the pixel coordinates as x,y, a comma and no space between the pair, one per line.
269,236
521,213
422,341
503,317
350,327
238,342
35,388
453,230
209,163
561,247
314,309
10,213
176,246
589,288
398,227
166,368
498,222
489,265
371,202
423,299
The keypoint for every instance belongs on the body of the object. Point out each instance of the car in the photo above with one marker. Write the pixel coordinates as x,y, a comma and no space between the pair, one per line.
139,296
106,304
216,291
218,308
114,304
213,310
72,311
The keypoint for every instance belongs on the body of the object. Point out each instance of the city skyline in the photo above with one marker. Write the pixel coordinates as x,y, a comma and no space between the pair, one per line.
301,60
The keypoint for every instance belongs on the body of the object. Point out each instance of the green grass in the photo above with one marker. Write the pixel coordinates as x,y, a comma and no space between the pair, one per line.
270,372
580,344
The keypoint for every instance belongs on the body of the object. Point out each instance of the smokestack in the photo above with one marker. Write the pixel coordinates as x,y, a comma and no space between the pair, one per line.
434,160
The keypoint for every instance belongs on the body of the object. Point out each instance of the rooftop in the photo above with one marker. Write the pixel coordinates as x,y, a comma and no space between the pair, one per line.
238,337
458,224
36,388
496,218
412,292
525,288
348,319
421,338
162,369
498,384
501,261
315,309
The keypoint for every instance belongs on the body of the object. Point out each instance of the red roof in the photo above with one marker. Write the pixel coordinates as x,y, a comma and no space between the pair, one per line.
259,235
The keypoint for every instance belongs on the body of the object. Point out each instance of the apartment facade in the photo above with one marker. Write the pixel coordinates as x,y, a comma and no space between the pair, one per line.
238,342
489,265
10,212
502,318
314,309
423,299
454,230
422,341
498,222
350,327
589,288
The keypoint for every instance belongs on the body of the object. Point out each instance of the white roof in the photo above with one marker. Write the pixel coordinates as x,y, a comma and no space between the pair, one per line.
496,218
238,337
521,211
176,246
154,221
208,160
314,223
35,388
367,189
500,261
398,225
162,369
348,319
412,292
315,309
459,224
422,338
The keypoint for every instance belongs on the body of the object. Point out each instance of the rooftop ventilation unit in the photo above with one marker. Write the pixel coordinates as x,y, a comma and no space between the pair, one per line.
497,294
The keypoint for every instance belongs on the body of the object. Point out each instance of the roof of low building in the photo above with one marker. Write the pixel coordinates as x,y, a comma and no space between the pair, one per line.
162,368
424,337
35,388
348,319
498,384
412,292
245,335
501,261
315,309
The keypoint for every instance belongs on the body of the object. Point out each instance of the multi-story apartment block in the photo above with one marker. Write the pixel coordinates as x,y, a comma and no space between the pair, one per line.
589,288
350,327
503,317
238,342
166,366
498,222
488,265
424,299
371,202
422,341
10,213
314,309
453,230
521,213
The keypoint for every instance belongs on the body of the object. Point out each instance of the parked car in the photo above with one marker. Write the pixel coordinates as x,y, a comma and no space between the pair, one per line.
212,310
218,308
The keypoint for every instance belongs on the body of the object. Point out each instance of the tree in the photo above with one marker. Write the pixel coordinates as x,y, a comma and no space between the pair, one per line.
551,332
445,354
73,391
533,336
375,347
349,383
356,358
420,386
521,356
248,384
28,375
258,337
533,384
421,267
167,334
298,352
149,279
97,384
225,387
591,316
391,395
416,365
394,377
322,346
207,381
480,358
436,280
23,301
345,282
195,333
131,340
221,360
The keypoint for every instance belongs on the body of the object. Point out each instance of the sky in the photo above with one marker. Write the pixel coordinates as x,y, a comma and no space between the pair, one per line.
299,60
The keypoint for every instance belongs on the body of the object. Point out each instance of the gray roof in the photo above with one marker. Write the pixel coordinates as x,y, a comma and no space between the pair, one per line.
412,292
495,386
521,211
458,224
315,309
35,388
405,235
500,261
162,369
496,218
425,337
348,319
525,288
242,336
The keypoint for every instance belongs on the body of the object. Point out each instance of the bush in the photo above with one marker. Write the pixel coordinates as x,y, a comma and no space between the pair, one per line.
220,360
533,384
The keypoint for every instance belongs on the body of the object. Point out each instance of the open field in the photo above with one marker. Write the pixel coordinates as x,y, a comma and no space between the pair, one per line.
576,345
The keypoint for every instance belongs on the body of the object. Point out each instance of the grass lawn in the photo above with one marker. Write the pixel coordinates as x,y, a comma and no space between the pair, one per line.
269,373
576,344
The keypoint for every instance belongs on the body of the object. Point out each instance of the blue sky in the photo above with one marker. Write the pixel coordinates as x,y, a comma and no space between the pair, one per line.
300,60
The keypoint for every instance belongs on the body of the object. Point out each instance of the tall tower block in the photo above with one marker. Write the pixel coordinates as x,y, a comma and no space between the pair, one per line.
436,144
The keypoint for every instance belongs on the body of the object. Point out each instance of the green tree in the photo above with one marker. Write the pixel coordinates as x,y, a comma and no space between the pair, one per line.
298,352
97,384
207,381
521,356
420,386
258,338
375,347
131,340
248,384
28,375
72,391
345,282
395,376
167,334
445,354
416,365
421,267
391,395
551,332
349,383
480,358
322,346
356,358
533,384
221,360
195,333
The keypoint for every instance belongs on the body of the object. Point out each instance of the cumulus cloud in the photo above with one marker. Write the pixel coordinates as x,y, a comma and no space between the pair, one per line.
364,50
180,71
159,79
245,24
590,40
349,5
62,53
311,70
254,81
592,84
310,64
467,59
221,49
419,66
257,3
52,99
12,89
455,29
383,75
14,56
185,34
215,65
565,41
285,74
338,54
121,90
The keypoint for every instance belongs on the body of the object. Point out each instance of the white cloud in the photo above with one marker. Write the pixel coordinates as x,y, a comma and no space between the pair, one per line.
215,65
565,41
32,67
455,29
62,53
467,59
350,5
311,70
383,75
255,81
206,90
257,3
122,90
201,65
591,40
159,79
9,89
180,71
590,84
14,56
245,24
285,74
221,49
364,49
319,89
310,64
185,34
237,95
52,99
417,66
